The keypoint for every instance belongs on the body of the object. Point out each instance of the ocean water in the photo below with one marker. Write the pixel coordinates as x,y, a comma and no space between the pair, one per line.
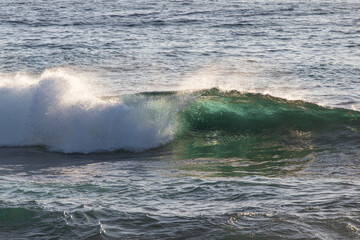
179,119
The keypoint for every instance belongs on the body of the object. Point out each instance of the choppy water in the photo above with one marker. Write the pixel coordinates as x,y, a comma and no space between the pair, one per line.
179,119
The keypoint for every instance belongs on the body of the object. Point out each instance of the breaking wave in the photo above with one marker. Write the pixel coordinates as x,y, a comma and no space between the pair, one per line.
62,114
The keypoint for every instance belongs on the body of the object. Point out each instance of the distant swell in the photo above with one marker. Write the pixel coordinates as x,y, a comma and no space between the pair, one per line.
61,113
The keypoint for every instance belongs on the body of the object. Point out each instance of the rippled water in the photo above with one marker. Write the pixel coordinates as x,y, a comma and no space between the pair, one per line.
179,119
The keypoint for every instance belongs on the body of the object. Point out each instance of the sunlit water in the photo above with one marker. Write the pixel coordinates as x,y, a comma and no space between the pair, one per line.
179,119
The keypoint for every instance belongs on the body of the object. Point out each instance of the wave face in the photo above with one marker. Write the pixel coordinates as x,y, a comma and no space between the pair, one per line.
63,115
235,112
255,126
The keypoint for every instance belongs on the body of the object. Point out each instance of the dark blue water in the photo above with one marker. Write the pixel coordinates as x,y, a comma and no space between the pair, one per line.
179,119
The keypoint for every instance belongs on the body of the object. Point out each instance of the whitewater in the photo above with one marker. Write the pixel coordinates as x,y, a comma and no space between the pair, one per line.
59,113
179,119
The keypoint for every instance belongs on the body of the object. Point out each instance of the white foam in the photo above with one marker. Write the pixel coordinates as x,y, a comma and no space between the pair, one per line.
59,111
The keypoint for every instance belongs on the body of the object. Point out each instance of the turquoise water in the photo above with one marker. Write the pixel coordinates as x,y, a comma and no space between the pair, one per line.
179,120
